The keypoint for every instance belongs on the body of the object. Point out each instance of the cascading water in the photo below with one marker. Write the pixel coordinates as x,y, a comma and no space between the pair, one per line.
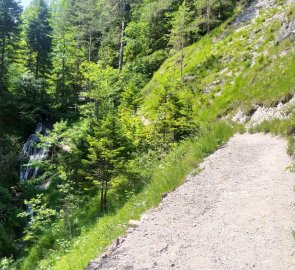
31,153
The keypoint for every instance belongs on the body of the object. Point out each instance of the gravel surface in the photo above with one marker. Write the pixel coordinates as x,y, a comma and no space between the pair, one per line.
238,213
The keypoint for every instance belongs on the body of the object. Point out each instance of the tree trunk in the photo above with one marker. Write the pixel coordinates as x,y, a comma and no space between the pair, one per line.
121,46
181,61
208,15
89,57
90,46
63,71
37,67
96,109
102,197
77,78
43,90
2,67
105,195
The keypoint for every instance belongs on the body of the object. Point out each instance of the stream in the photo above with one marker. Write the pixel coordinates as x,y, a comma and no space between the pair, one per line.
31,153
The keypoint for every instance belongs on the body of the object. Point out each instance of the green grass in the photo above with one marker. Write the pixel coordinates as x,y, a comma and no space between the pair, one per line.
283,127
231,69
169,174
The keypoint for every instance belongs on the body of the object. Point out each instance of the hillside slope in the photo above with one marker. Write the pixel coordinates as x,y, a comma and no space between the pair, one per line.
244,67
238,213
246,64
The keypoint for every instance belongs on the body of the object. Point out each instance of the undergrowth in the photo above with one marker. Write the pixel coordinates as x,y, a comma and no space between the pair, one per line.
228,69
167,175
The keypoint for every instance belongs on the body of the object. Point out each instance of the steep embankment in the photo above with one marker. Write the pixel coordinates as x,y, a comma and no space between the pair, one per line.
245,64
238,213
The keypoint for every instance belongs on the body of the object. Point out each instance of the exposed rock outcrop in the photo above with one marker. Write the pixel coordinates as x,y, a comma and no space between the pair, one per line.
287,30
248,14
261,113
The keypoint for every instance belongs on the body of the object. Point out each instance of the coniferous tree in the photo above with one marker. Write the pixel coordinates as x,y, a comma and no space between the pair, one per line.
148,30
211,12
10,11
124,11
39,39
103,89
88,27
182,28
108,151
115,17
66,56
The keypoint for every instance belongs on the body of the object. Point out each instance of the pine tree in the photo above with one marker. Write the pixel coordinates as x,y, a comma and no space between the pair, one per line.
10,11
211,12
170,111
108,151
88,32
182,28
66,56
115,15
39,39
148,30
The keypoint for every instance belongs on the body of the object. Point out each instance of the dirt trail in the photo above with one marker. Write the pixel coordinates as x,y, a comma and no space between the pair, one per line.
238,213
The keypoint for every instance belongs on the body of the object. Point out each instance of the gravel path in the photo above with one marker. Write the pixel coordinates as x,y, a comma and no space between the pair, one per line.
238,213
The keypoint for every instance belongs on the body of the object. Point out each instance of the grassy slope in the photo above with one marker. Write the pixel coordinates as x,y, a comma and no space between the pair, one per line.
235,68
232,68
167,175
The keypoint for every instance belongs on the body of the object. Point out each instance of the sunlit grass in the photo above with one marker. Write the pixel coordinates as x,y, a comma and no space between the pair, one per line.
169,174
241,78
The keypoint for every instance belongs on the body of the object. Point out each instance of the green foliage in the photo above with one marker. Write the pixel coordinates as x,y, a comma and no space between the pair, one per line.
88,36
164,177
223,78
9,206
10,12
277,126
291,12
8,222
147,32
66,55
170,110
102,89
107,153
123,135
40,218
182,28
6,264
285,127
39,39
211,12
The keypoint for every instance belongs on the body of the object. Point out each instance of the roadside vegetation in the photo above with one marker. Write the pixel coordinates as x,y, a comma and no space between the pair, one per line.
130,125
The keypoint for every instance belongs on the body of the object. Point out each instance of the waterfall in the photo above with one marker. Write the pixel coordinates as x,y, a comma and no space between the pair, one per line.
33,152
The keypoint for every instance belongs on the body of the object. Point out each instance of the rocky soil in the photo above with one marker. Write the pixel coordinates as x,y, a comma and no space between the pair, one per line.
238,213
261,113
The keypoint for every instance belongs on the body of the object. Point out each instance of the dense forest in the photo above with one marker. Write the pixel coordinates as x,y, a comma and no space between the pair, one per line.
83,69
